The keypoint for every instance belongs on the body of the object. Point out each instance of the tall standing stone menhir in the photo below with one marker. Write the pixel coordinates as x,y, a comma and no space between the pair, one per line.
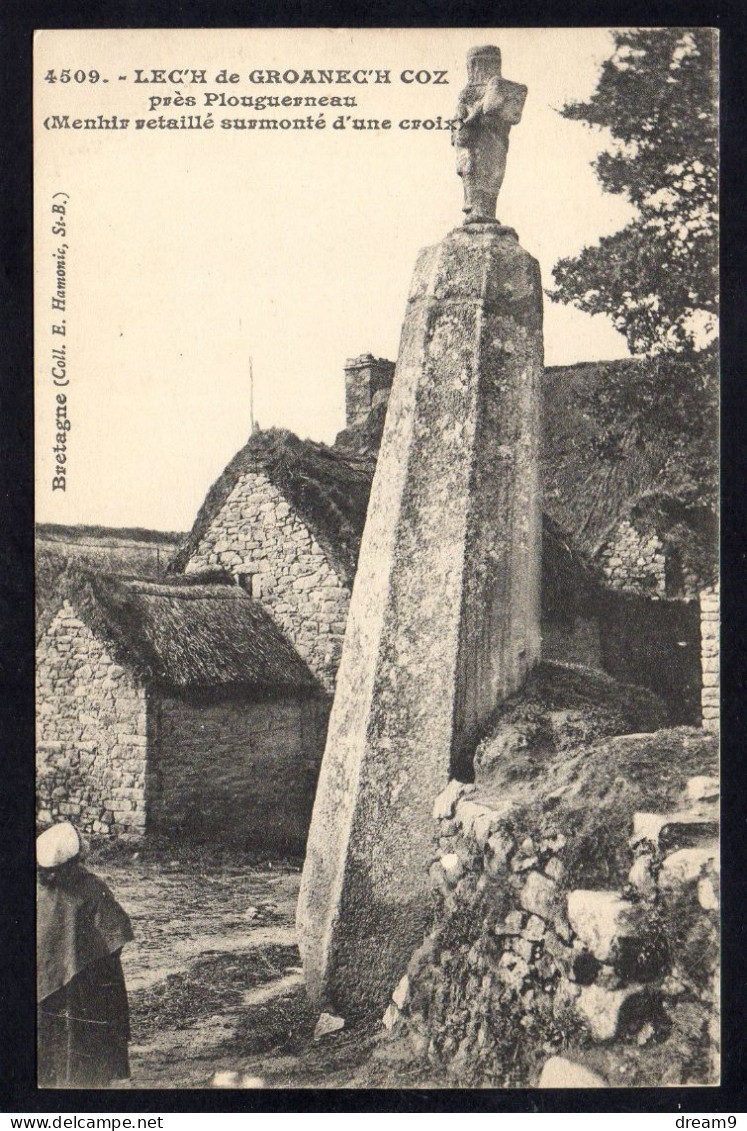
444,620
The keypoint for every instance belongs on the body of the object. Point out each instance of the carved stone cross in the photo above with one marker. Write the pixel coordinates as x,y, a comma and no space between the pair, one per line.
488,106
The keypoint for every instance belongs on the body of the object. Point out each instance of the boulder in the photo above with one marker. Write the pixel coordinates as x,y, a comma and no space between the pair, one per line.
686,865
534,929
513,923
402,992
391,1017
600,917
702,788
679,829
225,1080
561,1073
484,824
555,869
452,867
540,896
476,820
328,1023
445,803
600,1008
708,896
500,846
513,970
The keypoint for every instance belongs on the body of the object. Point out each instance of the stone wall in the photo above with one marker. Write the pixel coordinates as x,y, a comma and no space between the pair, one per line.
710,622
234,770
634,560
91,733
259,539
530,980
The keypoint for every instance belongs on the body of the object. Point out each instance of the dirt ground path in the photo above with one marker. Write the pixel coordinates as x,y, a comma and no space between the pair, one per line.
214,977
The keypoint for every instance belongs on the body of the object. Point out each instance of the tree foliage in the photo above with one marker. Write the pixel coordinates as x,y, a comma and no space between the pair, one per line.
657,277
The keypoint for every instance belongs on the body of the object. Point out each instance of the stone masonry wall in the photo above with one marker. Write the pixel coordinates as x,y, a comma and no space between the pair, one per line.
91,733
710,621
256,535
235,770
529,980
635,561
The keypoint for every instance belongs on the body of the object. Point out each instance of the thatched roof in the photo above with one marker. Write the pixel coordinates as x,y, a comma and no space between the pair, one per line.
586,489
364,439
329,487
328,490
58,532
584,492
189,634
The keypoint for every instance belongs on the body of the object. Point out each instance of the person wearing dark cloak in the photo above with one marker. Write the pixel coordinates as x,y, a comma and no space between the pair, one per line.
82,1010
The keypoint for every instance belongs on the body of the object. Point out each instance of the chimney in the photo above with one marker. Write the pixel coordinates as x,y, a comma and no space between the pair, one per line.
368,380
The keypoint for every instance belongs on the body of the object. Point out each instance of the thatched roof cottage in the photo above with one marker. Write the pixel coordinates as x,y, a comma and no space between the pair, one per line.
632,512
174,706
287,516
286,520
627,510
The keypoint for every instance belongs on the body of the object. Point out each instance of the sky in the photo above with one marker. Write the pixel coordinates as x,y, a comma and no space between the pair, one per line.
188,252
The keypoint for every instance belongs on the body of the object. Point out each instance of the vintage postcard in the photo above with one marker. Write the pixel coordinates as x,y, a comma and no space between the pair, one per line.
376,387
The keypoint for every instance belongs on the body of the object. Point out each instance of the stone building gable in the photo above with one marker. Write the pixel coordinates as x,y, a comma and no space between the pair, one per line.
258,538
91,732
658,559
